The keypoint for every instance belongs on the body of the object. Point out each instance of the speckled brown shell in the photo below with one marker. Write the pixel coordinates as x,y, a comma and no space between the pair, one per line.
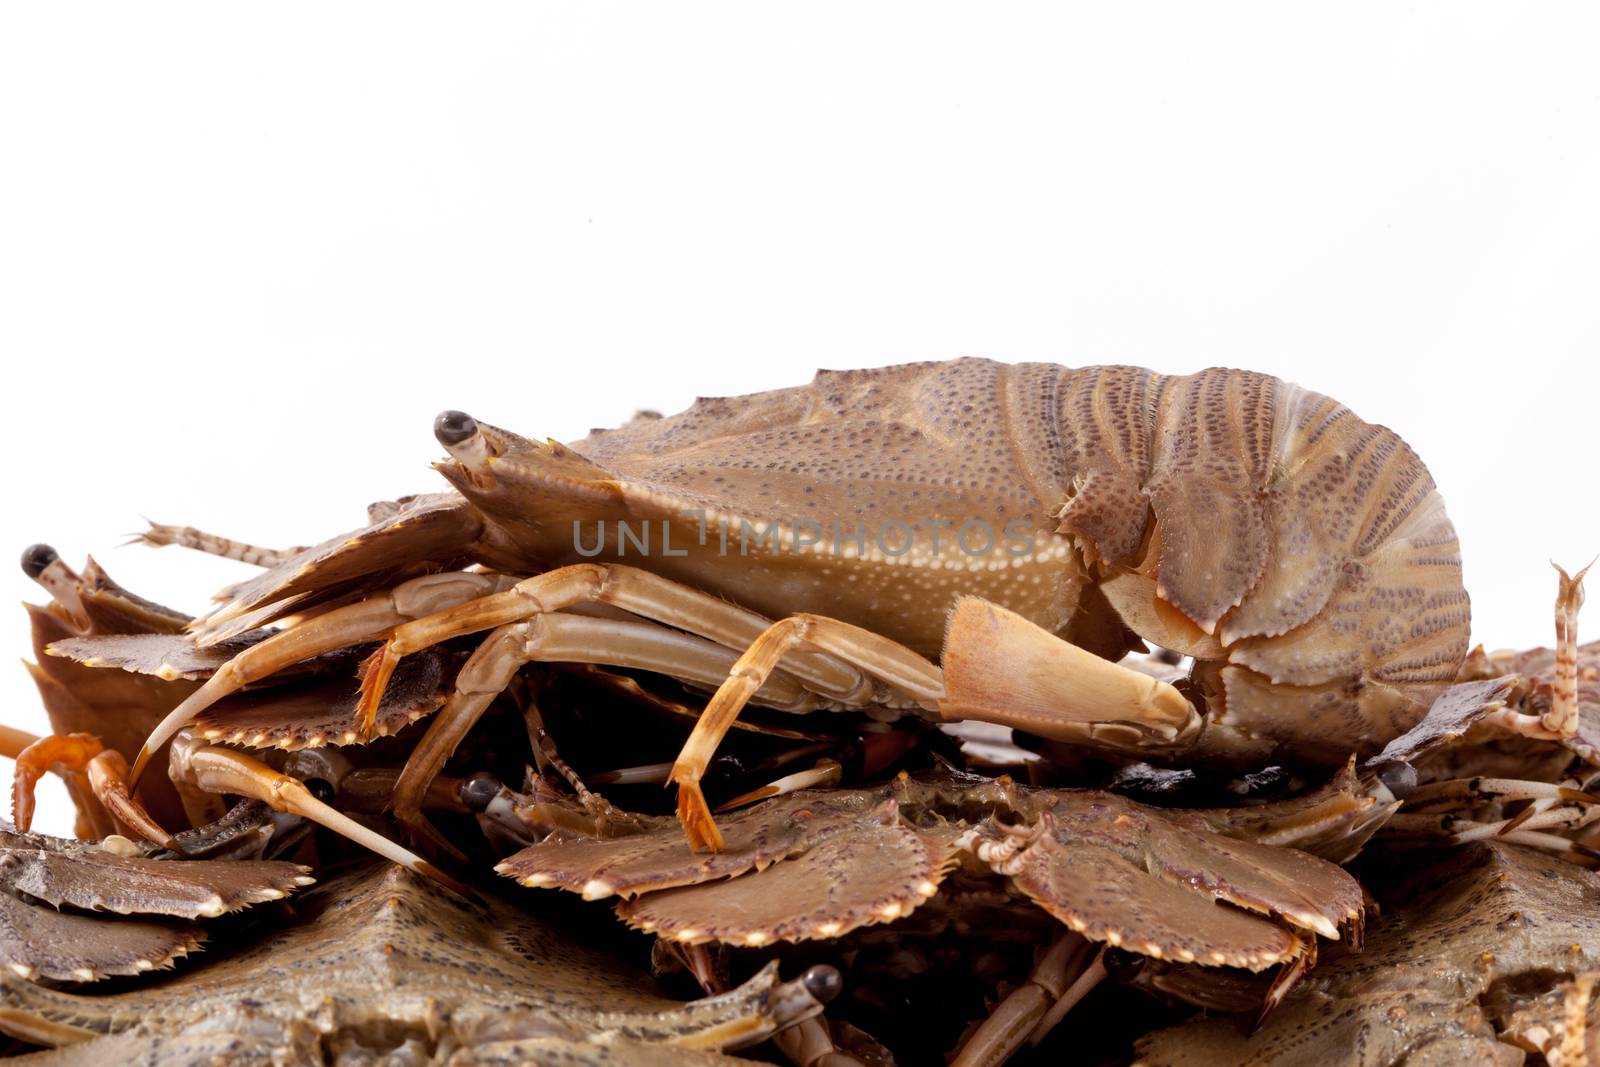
1465,938
820,864
1306,553
1301,555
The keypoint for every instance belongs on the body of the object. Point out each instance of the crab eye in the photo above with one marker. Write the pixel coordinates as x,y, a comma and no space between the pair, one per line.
1399,777
1123,965
453,427
823,982
479,789
35,558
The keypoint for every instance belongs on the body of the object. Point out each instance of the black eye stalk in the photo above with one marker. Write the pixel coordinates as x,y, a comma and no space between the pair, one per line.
454,427
36,558
464,439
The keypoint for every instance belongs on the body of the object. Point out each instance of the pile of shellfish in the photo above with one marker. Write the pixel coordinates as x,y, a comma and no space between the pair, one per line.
951,712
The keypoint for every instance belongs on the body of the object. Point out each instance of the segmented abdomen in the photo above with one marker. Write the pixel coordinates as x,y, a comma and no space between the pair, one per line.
1311,546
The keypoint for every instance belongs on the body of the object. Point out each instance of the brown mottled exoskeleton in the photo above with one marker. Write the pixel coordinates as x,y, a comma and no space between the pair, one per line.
379,965
129,660
78,911
1194,888
812,547
1482,954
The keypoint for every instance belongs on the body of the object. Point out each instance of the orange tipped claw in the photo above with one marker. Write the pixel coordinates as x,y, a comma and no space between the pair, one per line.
81,757
695,817
375,674
72,751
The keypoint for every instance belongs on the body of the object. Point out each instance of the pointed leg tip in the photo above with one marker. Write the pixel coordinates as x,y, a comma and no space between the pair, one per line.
696,819
374,674
425,835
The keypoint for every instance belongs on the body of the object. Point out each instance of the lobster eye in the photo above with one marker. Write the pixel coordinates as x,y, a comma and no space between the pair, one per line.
35,558
453,427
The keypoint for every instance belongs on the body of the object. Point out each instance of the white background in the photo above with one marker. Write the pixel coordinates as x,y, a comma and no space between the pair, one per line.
246,253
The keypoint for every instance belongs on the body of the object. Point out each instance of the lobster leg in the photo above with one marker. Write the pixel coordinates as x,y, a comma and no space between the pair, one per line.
640,592
998,667
563,638
1001,668
339,628
890,662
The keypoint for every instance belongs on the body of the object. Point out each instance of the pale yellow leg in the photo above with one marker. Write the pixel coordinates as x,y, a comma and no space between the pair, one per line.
640,592
160,534
222,770
342,627
892,663
826,772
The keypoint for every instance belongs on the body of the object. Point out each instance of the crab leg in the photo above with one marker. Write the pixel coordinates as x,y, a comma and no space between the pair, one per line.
548,759
570,639
108,781
1562,718
93,820
1560,722
1061,979
644,774
1543,814
161,534
809,1044
13,741
222,770
826,772
1552,842
640,592
1563,818
1470,789
84,760
339,628
886,660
